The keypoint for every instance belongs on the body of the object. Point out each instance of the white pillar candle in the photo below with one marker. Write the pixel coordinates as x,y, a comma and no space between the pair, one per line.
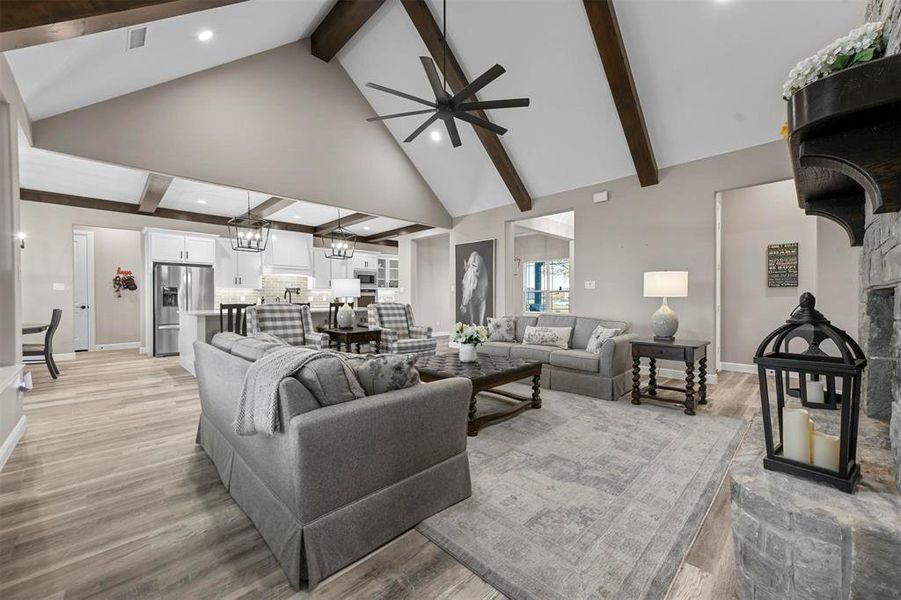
796,434
825,449
815,392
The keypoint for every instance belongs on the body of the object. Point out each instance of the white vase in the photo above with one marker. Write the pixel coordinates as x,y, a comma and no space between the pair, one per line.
468,353
345,317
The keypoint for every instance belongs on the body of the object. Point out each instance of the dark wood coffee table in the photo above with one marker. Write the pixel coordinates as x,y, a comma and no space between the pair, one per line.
488,373
355,335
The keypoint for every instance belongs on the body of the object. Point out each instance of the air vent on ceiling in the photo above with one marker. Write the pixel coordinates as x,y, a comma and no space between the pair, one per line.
137,37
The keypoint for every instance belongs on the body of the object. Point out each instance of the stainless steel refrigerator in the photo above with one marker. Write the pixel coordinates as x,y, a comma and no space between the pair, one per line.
177,288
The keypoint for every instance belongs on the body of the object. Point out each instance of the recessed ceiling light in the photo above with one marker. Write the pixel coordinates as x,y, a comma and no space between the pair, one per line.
435,135
205,35
366,228
201,202
296,216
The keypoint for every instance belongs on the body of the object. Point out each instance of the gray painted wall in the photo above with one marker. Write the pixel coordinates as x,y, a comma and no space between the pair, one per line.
48,256
430,300
827,266
667,226
280,122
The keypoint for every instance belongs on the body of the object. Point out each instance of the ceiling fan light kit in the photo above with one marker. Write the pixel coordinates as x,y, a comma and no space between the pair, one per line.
447,107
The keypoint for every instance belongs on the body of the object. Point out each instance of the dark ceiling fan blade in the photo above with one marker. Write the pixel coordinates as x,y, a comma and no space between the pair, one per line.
480,122
432,73
387,90
422,128
403,114
453,133
489,104
479,82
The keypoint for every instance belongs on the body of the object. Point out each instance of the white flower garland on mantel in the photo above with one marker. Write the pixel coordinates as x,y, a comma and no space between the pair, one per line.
859,46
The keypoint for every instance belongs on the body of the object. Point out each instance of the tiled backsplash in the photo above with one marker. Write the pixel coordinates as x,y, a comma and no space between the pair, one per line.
273,287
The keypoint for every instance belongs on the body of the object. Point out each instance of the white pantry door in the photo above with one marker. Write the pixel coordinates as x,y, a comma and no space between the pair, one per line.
81,284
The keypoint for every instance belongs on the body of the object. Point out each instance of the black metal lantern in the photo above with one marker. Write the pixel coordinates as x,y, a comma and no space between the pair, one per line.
340,243
248,232
801,450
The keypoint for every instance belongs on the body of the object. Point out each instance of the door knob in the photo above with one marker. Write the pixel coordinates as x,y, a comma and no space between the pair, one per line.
82,306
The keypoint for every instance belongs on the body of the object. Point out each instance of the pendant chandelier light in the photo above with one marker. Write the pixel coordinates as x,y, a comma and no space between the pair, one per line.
248,232
340,243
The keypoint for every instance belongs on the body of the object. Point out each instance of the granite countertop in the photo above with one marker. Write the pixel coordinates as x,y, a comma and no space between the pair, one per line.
213,312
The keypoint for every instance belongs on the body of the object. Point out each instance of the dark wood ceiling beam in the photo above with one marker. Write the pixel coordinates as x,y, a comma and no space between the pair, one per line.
431,34
271,206
154,189
609,42
387,235
26,23
339,25
124,207
347,221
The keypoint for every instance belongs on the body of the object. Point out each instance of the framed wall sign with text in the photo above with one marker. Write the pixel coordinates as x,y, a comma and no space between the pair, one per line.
782,265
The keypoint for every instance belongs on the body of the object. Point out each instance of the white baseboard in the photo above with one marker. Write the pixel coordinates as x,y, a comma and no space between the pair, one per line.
142,350
678,374
9,444
57,356
738,367
118,346
440,333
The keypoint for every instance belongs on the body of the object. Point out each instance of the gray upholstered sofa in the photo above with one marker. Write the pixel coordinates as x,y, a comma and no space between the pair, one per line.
339,480
606,374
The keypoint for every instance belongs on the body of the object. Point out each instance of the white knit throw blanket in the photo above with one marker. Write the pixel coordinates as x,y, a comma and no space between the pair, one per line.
258,409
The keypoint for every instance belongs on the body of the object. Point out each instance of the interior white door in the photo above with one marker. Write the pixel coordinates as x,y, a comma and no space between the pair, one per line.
81,282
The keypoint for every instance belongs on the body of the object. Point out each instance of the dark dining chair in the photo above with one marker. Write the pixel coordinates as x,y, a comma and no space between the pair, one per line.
46,349
232,318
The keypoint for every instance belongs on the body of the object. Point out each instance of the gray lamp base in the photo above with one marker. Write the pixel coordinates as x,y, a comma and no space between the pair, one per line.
664,323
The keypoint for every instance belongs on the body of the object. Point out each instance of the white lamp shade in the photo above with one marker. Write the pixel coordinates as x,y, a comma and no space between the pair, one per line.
346,288
666,284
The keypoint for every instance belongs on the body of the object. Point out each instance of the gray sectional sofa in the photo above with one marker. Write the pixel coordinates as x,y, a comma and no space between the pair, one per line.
339,480
605,375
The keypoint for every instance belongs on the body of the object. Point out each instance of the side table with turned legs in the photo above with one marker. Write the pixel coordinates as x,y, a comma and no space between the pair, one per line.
687,352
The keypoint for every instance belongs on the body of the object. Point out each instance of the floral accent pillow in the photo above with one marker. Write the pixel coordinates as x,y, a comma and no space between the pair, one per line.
385,373
600,335
548,336
502,329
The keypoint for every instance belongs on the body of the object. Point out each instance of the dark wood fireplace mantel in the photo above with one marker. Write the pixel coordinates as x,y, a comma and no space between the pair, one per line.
845,140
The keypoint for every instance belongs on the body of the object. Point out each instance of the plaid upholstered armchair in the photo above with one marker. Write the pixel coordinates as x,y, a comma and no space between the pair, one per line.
399,334
290,322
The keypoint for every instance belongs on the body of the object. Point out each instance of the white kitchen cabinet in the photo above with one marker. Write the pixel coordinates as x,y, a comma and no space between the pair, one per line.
178,247
289,252
200,250
234,269
365,260
167,247
388,272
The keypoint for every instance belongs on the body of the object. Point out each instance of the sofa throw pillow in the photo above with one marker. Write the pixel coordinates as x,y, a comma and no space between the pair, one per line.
548,336
385,373
328,381
600,335
502,329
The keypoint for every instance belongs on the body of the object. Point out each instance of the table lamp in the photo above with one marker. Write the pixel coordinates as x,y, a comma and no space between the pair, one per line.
344,289
665,284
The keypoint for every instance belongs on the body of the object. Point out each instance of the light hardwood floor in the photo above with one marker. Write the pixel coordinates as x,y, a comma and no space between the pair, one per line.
107,496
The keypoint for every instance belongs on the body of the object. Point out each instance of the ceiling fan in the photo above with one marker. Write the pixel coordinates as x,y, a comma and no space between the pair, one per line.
448,107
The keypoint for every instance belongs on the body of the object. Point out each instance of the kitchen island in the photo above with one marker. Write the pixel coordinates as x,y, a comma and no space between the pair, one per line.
195,325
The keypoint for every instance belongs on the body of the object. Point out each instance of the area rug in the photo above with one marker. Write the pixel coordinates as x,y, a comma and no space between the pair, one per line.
586,498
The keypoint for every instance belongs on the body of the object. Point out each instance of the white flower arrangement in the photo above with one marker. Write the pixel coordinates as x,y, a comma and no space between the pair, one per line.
859,46
469,334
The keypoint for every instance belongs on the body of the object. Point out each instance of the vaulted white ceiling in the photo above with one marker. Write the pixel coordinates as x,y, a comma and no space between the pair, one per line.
708,74
69,74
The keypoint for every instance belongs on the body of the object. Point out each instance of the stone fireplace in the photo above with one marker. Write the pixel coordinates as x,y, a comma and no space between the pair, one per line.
880,324
794,538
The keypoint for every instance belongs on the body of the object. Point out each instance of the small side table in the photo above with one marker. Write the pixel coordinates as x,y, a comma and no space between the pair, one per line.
686,351
355,335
